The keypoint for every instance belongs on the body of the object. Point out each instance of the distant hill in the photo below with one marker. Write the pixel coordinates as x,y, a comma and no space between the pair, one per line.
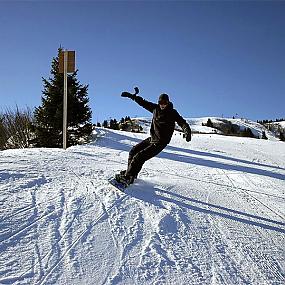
276,127
224,126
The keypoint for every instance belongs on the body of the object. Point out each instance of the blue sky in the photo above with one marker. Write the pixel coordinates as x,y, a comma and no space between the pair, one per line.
212,58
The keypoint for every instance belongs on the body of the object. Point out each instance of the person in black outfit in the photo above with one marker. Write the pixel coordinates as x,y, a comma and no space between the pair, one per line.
162,128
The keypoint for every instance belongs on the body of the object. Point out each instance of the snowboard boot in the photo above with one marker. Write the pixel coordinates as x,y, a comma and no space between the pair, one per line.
124,179
123,172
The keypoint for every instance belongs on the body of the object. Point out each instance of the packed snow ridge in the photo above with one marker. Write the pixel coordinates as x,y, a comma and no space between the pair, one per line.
206,212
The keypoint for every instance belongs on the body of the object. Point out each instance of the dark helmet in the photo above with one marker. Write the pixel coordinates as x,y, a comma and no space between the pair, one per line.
163,98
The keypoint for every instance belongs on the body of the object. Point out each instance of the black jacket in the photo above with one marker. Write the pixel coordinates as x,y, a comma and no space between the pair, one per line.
163,121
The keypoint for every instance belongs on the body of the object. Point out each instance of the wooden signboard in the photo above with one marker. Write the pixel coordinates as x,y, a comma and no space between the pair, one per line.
70,61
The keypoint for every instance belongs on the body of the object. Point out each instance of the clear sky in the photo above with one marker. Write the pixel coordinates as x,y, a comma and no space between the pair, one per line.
213,58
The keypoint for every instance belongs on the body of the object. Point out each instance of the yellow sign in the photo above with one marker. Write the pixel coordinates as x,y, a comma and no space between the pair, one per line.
70,61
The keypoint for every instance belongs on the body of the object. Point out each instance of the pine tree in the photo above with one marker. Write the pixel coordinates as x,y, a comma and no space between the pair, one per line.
282,136
209,123
111,124
115,124
247,132
49,116
264,135
105,124
127,119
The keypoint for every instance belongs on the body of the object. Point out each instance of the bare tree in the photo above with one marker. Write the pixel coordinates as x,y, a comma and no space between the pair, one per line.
15,129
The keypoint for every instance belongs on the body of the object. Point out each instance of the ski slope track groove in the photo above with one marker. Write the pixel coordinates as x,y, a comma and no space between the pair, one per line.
206,212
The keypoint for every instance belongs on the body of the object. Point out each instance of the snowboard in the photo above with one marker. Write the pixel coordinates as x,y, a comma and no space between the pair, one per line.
120,186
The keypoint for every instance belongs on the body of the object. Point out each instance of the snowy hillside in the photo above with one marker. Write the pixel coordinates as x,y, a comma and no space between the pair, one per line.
206,212
198,125
276,127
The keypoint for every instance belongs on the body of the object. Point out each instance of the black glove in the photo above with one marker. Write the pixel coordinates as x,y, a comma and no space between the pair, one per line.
128,95
187,134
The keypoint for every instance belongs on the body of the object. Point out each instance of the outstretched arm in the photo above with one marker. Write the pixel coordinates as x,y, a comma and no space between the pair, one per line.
142,102
185,126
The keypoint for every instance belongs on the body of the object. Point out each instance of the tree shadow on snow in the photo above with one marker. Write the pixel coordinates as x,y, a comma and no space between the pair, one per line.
112,140
149,193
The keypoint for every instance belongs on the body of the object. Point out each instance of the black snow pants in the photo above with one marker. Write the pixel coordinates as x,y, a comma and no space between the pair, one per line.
140,153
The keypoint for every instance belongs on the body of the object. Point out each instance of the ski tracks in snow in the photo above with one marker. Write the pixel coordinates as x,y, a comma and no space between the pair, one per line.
155,247
49,222
180,223
238,238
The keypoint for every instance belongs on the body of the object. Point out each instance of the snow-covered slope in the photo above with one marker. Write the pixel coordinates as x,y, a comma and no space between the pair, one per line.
276,127
198,125
206,212
282,124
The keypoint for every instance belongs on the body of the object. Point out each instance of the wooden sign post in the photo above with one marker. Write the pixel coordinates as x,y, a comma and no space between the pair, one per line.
66,65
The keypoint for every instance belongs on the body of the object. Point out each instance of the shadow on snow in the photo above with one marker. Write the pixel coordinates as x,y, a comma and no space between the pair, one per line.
151,194
114,140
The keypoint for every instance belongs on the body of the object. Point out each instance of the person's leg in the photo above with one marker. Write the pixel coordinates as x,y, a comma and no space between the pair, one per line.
141,157
137,148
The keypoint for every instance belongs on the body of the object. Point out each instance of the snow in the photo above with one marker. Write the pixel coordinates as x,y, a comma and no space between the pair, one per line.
278,125
206,212
198,125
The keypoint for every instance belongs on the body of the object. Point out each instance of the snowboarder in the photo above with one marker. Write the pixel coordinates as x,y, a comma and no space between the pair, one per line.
162,128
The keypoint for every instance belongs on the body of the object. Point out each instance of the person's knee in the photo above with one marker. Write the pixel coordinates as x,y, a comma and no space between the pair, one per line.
132,152
138,158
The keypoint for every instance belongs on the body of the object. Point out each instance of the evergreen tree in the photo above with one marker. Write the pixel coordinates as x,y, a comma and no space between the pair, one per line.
209,123
264,136
282,136
105,124
48,125
247,132
111,124
127,119
115,124
98,125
